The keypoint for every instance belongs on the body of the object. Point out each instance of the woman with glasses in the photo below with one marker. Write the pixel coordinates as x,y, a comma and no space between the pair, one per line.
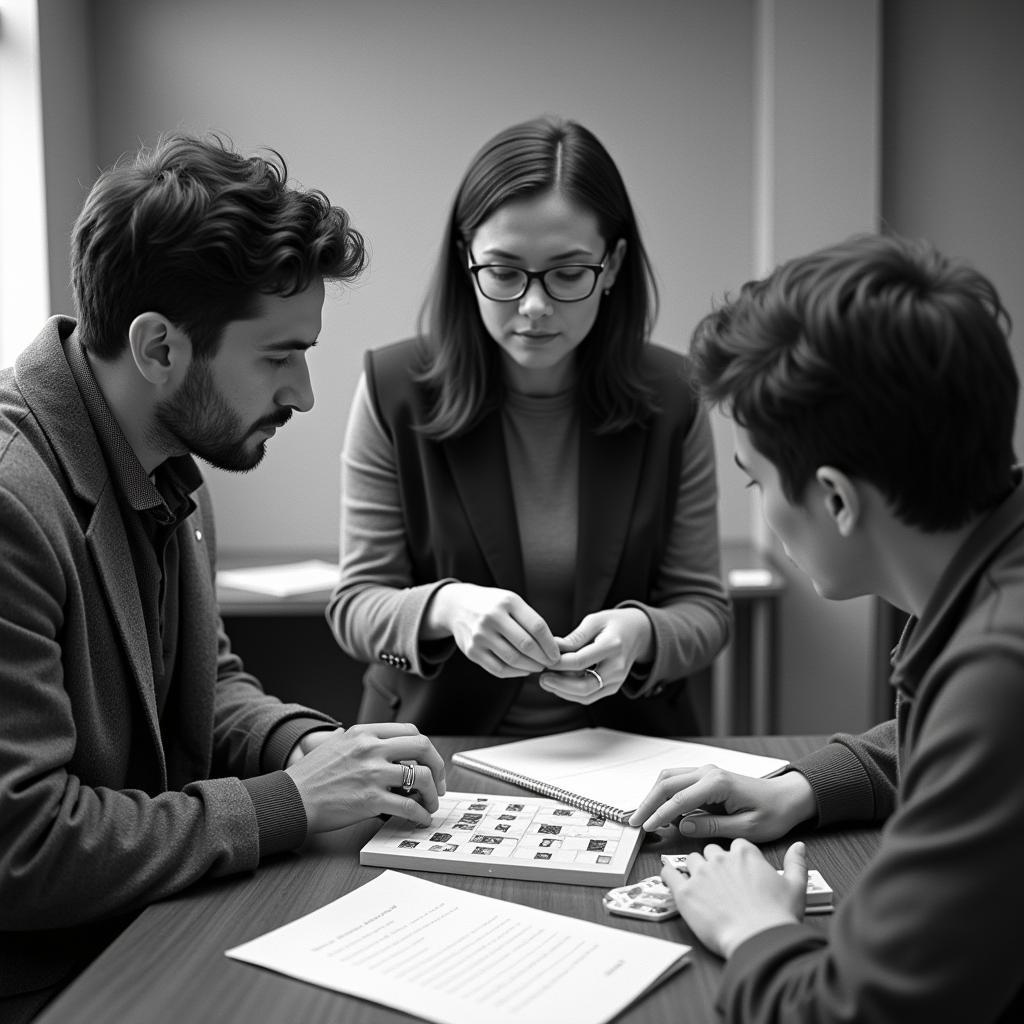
529,529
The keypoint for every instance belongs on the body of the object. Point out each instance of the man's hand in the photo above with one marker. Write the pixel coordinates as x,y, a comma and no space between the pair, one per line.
352,774
307,743
728,896
733,805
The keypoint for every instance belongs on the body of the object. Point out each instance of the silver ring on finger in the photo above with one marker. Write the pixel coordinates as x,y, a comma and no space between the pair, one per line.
408,776
597,675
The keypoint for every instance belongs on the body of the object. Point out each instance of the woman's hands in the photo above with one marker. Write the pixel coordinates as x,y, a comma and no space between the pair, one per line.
494,628
497,630
607,643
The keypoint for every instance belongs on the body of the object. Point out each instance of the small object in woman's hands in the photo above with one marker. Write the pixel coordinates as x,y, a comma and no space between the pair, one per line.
819,892
573,685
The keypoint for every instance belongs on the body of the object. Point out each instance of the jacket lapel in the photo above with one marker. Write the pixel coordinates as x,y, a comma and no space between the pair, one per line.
197,659
50,389
108,545
609,479
479,468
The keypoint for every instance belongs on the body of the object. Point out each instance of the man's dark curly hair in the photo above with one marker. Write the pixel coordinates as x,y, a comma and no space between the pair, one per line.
195,231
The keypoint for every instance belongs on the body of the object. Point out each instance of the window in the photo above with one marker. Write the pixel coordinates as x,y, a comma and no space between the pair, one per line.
24,286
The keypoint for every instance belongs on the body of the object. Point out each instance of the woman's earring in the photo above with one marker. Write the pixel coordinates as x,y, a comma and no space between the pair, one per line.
608,291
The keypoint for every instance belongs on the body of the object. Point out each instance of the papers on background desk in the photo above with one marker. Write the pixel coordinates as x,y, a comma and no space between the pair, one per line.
455,957
282,580
750,578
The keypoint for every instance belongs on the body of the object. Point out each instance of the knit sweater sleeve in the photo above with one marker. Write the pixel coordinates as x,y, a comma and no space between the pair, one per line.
854,778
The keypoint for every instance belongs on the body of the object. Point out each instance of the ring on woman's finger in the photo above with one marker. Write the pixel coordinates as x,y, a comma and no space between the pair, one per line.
597,675
408,776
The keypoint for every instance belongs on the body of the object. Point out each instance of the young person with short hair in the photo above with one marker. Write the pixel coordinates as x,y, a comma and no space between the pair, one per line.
873,395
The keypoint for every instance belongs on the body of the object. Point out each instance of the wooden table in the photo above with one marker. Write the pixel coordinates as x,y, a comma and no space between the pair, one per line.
169,966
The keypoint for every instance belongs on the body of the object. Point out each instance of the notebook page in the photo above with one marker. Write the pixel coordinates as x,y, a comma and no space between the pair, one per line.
612,767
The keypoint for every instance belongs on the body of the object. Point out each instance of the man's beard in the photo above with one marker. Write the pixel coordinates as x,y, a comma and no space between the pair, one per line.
196,417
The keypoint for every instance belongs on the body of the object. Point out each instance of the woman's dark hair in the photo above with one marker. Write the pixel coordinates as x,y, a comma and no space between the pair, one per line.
194,231
528,160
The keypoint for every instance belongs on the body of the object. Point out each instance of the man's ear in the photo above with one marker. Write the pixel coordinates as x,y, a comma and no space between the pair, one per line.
161,352
841,498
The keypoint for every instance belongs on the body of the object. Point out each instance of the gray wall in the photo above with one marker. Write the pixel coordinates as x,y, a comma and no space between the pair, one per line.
953,142
381,103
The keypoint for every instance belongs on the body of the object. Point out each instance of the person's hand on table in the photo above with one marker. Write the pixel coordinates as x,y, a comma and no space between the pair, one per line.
598,655
730,805
496,629
728,896
351,774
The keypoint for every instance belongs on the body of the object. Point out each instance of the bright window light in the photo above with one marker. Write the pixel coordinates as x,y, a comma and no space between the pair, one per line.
24,286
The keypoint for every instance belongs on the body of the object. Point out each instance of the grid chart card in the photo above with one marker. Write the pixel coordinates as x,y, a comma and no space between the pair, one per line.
509,837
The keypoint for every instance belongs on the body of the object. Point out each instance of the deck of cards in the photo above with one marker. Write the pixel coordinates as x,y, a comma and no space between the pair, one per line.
650,899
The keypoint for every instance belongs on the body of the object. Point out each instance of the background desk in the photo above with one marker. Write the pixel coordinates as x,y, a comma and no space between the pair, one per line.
169,966
288,645
742,677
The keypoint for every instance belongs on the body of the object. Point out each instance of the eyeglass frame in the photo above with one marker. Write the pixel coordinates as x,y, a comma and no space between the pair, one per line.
539,275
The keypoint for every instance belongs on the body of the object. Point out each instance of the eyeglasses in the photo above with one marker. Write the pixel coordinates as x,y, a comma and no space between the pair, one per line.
570,282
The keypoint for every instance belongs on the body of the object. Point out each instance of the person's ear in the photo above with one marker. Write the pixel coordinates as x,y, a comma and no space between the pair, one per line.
161,351
614,264
840,497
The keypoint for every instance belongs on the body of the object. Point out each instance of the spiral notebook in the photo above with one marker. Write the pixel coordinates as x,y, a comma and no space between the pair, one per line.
600,770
